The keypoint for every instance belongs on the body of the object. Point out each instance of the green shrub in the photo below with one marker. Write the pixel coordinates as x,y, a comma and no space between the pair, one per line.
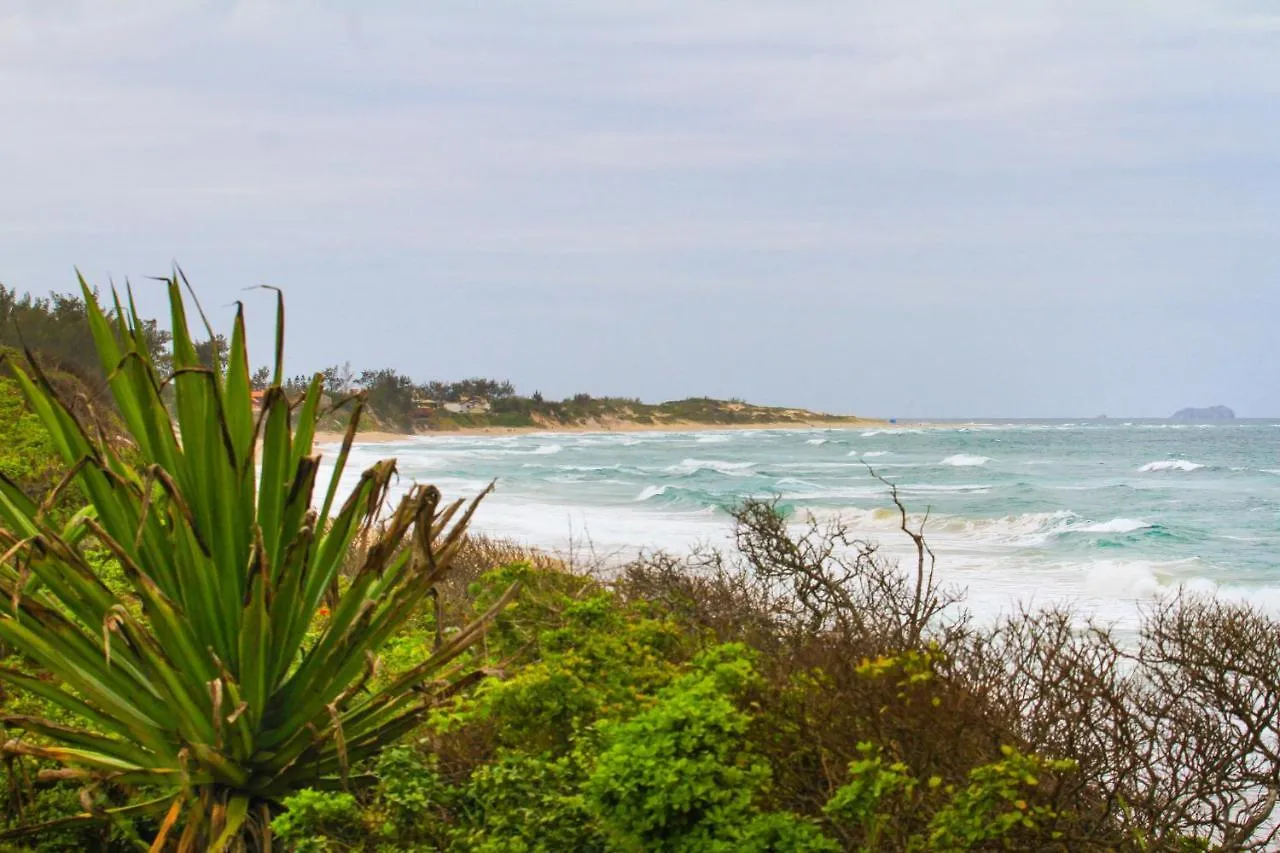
997,805
681,776
320,821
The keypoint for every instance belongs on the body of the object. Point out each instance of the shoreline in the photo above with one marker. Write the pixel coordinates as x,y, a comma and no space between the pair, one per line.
384,437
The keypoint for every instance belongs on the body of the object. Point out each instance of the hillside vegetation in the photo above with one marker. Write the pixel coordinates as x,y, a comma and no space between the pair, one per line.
396,402
588,412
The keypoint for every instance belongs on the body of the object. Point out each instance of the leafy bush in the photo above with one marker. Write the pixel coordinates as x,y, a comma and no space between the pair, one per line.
681,776
316,822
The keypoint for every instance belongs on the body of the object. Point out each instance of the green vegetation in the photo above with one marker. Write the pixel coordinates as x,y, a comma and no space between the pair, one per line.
238,667
198,651
27,455
583,410
57,330
397,402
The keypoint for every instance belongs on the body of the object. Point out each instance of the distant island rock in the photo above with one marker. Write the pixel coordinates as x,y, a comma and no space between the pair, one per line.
1212,413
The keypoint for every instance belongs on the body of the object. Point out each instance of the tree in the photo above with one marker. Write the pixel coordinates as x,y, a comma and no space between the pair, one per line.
56,329
261,378
339,379
435,390
389,394
212,351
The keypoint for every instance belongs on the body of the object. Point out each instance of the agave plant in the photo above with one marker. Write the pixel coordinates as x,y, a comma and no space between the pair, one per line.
241,665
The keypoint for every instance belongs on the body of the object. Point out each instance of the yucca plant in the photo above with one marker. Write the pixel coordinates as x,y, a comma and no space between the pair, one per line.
241,666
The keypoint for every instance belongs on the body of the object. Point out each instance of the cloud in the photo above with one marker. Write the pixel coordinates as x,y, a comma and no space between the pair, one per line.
1032,152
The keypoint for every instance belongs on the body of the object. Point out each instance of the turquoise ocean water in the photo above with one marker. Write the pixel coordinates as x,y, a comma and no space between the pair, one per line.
1105,514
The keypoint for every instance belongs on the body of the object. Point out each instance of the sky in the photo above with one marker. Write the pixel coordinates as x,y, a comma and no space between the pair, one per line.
901,209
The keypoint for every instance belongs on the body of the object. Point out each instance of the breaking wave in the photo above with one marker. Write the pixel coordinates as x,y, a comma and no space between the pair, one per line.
689,467
1117,525
1170,465
965,460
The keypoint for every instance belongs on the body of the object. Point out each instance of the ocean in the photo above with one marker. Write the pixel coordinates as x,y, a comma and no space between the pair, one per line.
1106,515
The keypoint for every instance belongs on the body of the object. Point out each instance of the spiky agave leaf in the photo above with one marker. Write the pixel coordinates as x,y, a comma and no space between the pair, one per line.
215,685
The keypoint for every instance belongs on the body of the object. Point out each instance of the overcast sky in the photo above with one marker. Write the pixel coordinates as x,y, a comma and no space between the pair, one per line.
889,208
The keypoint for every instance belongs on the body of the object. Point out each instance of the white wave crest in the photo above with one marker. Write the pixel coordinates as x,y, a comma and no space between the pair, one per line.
965,460
651,492
1170,465
1143,578
692,466
954,531
870,453
1116,525
816,441
1123,578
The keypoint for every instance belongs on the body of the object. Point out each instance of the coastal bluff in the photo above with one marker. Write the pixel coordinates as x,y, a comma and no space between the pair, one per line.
1211,413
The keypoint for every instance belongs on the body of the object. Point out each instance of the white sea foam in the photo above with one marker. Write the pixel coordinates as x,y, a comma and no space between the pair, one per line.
1022,530
1137,579
1170,465
965,460
816,441
870,454
954,531
692,466
1026,529
714,438
1122,578
1116,525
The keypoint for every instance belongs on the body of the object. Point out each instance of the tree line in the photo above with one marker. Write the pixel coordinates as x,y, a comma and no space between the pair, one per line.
56,330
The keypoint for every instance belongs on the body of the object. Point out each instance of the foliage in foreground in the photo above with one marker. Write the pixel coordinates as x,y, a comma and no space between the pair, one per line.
786,697
620,731
690,705
237,668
